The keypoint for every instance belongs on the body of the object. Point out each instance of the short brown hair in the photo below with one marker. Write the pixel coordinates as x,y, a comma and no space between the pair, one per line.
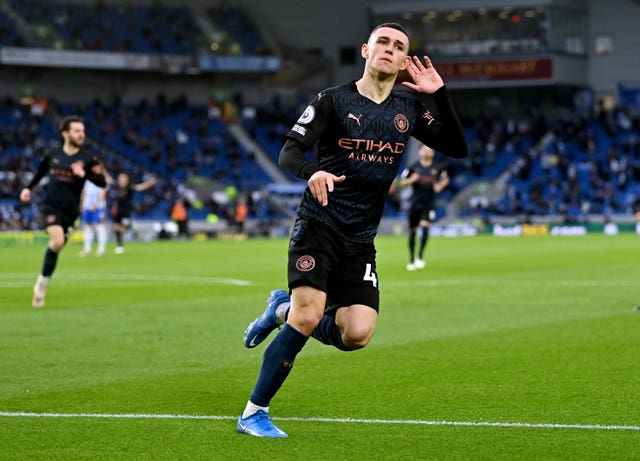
66,122
392,25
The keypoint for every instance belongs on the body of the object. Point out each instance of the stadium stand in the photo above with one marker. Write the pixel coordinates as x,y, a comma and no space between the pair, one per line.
235,32
521,164
132,28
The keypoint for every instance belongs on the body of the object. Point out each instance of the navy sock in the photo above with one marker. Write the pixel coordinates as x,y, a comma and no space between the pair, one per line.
328,332
277,362
412,245
119,238
423,240
49,263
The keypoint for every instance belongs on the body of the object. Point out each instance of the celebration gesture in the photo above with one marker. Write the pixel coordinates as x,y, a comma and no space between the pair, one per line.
425,77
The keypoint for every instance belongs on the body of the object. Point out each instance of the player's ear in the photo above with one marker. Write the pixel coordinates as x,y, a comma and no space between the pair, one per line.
365,51
405,63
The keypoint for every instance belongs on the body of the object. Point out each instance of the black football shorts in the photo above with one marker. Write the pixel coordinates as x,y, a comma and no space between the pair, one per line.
345,271
53,217
418,214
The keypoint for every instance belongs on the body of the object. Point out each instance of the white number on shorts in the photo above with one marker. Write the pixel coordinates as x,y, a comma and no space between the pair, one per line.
370,276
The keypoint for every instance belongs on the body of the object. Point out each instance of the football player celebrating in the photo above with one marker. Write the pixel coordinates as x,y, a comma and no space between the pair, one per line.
360,130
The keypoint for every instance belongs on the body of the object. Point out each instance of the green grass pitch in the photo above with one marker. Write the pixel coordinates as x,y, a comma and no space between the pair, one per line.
523,348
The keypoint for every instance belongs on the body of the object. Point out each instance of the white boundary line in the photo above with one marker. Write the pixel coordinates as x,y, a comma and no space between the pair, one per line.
67,277
411,422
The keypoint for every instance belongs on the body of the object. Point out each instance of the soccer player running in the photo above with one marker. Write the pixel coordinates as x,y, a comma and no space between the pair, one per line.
122,206
360,130
427,179
68,168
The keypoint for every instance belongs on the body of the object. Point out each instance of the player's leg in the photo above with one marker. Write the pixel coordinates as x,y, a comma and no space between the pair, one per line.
120,228
357,325
101,231
424,237
414,219
87,232
308,267
57,240
354,284
425,223
87,238
307,308
349,330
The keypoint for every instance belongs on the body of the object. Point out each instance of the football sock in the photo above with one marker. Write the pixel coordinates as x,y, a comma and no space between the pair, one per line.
119,238
88,238
423,240
412,245
101,230
282,312
252,408
277,362
49,263
328,332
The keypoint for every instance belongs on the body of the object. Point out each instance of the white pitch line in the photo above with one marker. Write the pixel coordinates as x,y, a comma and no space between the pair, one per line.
71,277
410,422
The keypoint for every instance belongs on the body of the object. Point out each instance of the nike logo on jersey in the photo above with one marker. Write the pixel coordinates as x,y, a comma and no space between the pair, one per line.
353,117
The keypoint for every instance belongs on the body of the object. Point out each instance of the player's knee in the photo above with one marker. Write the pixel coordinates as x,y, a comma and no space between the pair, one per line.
357,338
56,244
305,318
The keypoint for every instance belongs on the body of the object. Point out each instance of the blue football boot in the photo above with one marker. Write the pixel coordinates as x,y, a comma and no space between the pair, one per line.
260,328
259,425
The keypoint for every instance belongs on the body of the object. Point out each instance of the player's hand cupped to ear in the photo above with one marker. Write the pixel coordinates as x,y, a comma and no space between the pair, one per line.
425,77
321,183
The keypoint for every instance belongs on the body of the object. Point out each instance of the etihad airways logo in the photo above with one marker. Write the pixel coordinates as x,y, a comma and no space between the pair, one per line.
371,145
368,150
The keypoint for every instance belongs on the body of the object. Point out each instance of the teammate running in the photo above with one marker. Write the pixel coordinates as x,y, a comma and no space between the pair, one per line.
68,168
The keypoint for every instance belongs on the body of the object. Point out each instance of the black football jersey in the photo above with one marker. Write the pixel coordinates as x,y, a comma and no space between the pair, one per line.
365,141
423,195
63,190
123,200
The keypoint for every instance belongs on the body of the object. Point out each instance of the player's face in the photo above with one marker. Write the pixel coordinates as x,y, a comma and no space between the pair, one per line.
75,135
426,153
386,51
123,180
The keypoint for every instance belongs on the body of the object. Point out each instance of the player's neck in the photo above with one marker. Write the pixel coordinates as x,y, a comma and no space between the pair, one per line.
376,89
70,150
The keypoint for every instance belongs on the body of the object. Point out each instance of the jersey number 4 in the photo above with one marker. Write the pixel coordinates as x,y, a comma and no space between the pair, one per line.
370,276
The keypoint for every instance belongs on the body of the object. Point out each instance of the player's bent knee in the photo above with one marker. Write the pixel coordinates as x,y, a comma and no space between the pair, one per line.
304,319
357,339
56,245
352,344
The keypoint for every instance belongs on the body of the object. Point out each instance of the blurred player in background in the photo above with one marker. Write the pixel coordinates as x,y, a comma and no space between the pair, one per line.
122,206
427,180
68,168
360,130
94,217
